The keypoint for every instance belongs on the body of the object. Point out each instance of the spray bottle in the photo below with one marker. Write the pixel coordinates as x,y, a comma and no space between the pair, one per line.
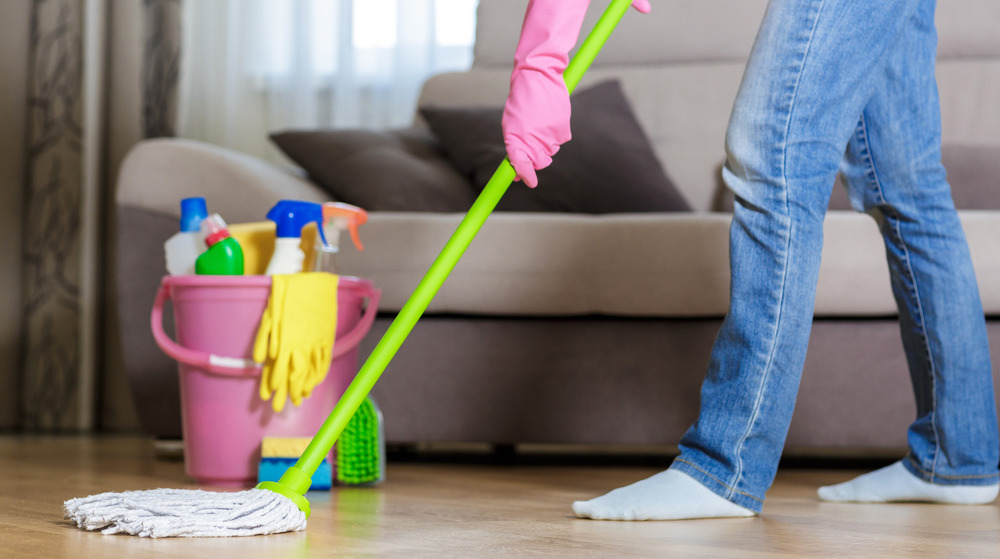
337,216
361,446
224,256
183,247
290,216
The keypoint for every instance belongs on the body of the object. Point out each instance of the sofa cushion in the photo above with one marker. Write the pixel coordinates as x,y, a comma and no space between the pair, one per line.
663,265
397,170
537,264
608,166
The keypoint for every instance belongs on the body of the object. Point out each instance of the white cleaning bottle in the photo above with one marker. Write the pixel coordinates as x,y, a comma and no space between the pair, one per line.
289,217
183,248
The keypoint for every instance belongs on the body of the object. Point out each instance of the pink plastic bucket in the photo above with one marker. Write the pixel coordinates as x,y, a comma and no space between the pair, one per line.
216,320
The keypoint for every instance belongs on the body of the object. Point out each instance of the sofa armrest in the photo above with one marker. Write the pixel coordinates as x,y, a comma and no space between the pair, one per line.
157,174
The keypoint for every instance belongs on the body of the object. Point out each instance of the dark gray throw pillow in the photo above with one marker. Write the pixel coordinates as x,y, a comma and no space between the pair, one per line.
972,174
608,166
397,170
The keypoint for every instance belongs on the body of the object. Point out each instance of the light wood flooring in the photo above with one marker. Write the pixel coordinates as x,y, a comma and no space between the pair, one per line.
469,510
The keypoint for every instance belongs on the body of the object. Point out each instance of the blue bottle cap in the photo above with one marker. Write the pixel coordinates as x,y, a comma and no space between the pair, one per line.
193,210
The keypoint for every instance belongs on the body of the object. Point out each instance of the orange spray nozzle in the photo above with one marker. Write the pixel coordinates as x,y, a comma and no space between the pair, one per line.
352,215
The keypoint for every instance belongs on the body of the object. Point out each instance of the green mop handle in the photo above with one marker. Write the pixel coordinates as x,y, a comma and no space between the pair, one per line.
386,349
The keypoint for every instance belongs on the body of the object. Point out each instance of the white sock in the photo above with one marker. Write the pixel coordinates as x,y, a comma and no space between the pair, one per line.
896,483
668,495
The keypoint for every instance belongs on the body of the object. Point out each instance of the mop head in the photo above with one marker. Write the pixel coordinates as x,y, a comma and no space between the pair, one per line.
165,513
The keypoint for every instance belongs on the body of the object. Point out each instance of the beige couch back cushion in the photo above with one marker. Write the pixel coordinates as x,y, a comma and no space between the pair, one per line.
714,30
681,65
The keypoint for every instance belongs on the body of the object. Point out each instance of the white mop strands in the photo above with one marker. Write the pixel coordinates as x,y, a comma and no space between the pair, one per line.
164,513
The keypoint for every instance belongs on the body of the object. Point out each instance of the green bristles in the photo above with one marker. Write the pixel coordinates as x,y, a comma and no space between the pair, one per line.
360,449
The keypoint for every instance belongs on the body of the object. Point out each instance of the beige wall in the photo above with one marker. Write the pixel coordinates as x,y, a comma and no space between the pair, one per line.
14,20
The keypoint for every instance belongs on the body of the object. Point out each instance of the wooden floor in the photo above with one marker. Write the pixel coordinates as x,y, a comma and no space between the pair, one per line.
468,510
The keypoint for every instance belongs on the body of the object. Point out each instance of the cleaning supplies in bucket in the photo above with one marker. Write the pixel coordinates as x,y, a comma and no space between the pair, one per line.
224,256
258,239
337,216
183,248
224,419
296,336
290,216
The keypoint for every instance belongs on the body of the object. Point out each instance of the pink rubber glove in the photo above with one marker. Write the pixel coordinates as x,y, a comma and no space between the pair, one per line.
536,115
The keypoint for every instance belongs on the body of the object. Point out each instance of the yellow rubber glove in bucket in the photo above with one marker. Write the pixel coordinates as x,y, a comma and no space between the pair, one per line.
295,339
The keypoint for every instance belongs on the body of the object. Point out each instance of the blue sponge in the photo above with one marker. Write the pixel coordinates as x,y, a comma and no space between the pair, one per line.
271,469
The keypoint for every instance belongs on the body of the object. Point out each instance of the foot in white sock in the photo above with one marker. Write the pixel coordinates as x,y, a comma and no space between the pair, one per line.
668,495
896,484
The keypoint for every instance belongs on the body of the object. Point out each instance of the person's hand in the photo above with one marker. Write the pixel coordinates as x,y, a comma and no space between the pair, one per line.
535,122
536,116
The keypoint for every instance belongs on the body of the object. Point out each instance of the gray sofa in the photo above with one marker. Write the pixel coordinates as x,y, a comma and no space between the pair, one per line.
596,329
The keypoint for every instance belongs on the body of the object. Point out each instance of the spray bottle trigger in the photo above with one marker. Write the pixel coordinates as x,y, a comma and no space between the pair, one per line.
322,236
353,228
353,215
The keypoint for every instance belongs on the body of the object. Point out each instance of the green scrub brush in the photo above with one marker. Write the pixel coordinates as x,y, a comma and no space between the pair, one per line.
361,447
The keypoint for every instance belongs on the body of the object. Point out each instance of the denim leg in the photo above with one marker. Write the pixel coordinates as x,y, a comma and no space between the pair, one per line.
809,75
894,172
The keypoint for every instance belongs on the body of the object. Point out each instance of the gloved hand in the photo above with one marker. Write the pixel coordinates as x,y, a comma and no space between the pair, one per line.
295,339
642,6
536,115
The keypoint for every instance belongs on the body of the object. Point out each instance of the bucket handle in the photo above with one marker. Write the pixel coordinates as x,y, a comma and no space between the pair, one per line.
238,366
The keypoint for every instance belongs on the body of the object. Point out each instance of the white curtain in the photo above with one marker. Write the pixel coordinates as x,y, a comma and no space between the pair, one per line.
255,66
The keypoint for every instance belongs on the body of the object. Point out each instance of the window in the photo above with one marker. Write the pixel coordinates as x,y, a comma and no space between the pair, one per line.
254,66
369,38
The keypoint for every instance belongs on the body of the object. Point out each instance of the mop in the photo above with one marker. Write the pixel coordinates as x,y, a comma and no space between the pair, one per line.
275,507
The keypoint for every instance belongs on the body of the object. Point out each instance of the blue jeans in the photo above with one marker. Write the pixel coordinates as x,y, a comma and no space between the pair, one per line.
825,77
